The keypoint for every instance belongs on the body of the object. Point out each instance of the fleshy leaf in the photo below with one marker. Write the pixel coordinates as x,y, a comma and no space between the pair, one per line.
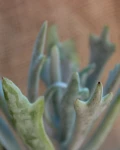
7,138
55,65
55,76
28,118
83,93
45,72
68,57
52,38
86,115
68,50
105,126
48,101
97,96
101,51
86,72
113,81
36,64
67,112
3,104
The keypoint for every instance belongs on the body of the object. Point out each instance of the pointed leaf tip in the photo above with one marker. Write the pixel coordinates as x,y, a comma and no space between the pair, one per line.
37,63
75,81
40,41
97,94
55,48
45,25
99,87
75,76
52,38
38,106
8,85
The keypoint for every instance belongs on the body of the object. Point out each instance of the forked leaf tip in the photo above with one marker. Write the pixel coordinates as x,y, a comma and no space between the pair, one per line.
108,96
78,104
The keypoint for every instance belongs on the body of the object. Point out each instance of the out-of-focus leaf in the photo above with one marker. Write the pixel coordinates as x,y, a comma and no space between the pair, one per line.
69,59
36,64
1,147
85,73
7,138
55,76
55,69
67,112
113,81
48,101
101,51
68,51
45,72
52,38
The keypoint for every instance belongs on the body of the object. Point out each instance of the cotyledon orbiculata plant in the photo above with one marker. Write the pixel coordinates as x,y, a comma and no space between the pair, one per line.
65,116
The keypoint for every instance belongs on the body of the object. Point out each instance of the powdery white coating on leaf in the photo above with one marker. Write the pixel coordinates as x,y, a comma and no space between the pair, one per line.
86,114
98,137
27,117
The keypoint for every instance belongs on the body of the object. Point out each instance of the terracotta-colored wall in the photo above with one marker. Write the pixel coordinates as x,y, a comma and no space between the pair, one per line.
20,21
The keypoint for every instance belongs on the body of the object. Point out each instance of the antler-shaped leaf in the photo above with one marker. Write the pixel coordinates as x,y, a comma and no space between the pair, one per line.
86,114
101,50
105,126
113,81
27,117
36,64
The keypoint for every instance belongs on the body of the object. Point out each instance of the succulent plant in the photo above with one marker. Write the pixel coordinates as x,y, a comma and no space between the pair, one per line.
65,117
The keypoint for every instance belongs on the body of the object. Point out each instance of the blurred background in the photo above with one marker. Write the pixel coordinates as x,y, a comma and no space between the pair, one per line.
20,21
